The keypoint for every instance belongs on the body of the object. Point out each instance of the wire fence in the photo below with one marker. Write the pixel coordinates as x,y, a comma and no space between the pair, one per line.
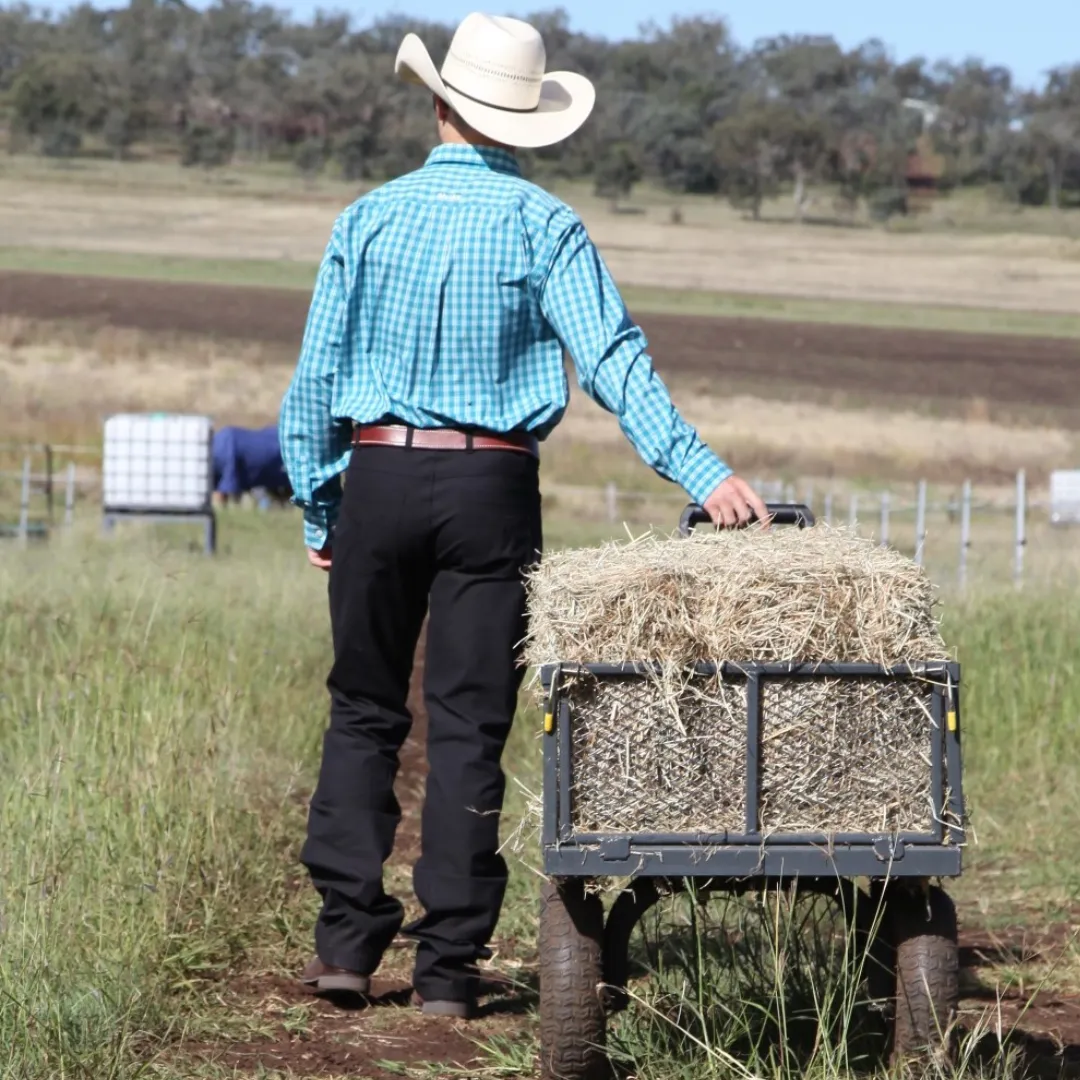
956,532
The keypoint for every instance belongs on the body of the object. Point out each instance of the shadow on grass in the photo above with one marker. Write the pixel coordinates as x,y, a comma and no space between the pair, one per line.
1038,1057
777,988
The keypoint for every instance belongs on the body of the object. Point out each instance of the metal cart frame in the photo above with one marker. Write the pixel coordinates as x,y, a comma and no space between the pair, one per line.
584,953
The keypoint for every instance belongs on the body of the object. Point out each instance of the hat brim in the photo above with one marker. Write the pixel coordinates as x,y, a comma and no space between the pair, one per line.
566,102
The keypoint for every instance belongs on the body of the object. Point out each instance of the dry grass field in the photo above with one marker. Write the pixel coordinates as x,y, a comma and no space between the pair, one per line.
160,713
135,209
66,381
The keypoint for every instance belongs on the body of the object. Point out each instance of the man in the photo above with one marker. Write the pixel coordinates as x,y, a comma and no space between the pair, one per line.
432,367
246,459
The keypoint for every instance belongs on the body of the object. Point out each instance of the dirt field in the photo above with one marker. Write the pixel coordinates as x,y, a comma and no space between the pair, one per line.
847,364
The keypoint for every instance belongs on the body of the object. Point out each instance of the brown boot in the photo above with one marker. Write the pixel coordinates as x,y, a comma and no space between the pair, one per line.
326,978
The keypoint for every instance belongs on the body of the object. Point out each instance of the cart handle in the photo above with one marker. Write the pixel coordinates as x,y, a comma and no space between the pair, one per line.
779,514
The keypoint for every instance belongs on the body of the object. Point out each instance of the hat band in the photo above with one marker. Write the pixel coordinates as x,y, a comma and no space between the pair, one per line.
488,104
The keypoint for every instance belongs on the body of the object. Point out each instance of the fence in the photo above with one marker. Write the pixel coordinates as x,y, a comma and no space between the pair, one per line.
32,483
974,534
971,533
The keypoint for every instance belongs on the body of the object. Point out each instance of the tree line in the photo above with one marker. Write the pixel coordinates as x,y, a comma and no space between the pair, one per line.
685,105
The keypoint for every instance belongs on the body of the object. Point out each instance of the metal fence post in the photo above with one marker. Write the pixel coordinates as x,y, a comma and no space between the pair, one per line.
885,500
853,511
1021,526
69,496
920,525
49,480
828,507
24,503
965,531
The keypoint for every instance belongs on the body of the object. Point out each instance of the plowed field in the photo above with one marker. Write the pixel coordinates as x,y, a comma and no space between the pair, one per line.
1002,369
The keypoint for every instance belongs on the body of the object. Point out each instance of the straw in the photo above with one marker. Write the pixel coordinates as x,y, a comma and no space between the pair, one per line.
668,753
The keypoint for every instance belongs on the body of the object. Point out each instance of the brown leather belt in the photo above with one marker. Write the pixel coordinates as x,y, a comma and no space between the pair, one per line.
442,439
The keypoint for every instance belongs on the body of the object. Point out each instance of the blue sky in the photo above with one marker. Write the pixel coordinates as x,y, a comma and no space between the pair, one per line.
1038,35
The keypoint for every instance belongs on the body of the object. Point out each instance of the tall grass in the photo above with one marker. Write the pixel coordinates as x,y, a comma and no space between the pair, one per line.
1021,711
156,715
160,718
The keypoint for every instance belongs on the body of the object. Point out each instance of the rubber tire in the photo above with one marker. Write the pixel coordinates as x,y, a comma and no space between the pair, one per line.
573,1028
927,973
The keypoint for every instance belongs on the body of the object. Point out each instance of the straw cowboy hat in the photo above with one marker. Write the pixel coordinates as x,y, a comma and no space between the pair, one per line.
493,77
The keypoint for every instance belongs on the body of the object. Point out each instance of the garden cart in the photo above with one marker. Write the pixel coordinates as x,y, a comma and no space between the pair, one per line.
584,951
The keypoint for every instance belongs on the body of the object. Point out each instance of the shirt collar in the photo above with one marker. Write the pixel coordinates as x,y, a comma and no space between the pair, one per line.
490,157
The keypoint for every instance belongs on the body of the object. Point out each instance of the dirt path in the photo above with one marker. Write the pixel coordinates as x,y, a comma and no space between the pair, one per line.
312,1037
1042,1026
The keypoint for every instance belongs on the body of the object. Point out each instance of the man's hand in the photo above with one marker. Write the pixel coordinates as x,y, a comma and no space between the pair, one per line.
733,503
321,559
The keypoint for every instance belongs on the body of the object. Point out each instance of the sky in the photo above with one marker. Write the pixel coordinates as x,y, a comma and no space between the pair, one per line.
1038,35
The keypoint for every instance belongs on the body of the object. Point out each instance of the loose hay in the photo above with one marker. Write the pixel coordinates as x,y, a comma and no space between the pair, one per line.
667,753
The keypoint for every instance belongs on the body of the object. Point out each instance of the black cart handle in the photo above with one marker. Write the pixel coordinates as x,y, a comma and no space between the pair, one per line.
779,514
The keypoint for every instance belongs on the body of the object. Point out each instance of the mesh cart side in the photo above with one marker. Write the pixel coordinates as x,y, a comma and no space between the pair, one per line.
747,833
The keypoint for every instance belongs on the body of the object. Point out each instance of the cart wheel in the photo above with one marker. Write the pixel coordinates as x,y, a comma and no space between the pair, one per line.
923,930
572,1022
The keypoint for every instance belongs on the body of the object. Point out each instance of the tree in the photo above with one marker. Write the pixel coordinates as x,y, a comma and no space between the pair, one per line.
311,156
57,93
208,146
808,74
752,146
118,130
1051,129
617,171
683,105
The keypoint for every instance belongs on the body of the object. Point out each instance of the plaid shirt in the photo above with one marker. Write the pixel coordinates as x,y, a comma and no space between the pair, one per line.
446,298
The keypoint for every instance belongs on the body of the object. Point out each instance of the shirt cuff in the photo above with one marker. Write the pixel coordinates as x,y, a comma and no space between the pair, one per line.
316,533
702,473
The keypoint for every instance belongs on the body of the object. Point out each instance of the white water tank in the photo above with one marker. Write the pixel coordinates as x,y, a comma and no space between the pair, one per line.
157,463
1065,497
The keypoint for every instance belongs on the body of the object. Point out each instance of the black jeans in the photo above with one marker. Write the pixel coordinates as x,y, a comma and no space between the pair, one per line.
447,533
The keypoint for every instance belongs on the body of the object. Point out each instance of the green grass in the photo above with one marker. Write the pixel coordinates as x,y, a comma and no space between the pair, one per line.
160,719
295,275
156,714
260,273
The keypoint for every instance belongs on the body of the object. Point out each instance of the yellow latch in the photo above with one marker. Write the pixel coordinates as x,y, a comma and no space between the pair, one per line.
549,723
950,719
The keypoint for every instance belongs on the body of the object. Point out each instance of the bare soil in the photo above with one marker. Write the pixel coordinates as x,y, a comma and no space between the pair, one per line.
779,358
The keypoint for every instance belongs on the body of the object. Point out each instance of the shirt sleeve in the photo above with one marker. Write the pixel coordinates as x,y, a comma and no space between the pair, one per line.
314,443
581,303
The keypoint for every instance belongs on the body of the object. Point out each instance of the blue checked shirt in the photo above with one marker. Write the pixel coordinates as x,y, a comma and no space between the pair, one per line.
446,298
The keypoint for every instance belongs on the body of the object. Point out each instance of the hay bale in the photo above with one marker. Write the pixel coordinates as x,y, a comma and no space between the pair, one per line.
668,753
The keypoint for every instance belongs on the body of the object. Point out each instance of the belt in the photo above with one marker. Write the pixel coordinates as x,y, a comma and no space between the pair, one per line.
442,439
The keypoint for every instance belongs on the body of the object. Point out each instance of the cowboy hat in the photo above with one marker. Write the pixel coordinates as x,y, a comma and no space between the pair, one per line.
493,77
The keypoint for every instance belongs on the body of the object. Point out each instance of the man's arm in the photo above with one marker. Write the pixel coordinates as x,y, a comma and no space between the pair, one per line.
314,446
582,304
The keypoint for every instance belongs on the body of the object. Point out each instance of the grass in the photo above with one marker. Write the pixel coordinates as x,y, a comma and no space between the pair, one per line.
289,274
160,720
